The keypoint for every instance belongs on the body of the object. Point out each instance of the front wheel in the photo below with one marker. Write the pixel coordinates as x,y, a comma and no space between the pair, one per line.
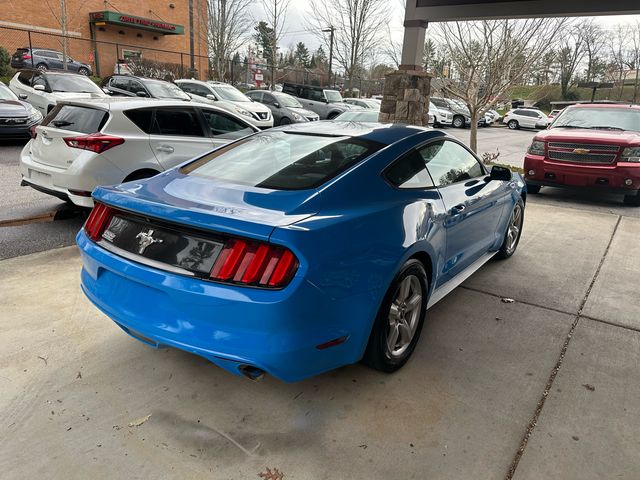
333,115
513,125
533,188
399,321
285,121
458,122
514,231
42,67
632,200
83,71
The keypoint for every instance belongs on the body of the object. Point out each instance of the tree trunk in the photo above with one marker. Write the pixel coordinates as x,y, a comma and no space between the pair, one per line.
473,134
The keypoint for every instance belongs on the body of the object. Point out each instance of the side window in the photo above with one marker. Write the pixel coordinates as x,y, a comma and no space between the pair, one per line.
25,78
177,121
255,96
47,54
119,82
305,93
449,162
519,112
409,172
141,117
223,126
200,90
38,80
135,87
269,99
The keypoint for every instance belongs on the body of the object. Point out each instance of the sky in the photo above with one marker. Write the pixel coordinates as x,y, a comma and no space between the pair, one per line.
295,27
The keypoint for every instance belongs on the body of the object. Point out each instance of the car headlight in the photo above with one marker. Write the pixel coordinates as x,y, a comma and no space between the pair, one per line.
244,112
34,115
631,154
536,148
296,117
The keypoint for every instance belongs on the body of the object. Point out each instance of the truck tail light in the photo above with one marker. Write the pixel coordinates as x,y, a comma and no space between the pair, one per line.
98,221
254,263
96,142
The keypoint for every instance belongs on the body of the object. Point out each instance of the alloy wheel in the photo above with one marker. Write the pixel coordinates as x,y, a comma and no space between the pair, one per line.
404,315
513,231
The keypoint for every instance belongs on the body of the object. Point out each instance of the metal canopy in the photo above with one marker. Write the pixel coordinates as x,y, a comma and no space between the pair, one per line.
420,11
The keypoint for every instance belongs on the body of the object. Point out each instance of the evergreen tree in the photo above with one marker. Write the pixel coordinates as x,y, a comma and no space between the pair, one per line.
301,55
264,38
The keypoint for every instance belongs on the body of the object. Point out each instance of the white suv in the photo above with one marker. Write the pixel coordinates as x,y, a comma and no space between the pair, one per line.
85,143
230,98
526,118
441,116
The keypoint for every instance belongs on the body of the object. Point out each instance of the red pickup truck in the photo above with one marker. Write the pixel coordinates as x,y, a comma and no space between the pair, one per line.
589,146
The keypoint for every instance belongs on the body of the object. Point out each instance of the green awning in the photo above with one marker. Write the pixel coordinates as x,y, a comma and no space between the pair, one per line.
126,20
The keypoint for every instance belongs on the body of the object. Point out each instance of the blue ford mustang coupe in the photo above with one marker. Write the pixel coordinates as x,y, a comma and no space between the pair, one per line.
299,249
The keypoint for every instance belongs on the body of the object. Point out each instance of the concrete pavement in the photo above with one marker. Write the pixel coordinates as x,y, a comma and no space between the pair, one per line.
482,377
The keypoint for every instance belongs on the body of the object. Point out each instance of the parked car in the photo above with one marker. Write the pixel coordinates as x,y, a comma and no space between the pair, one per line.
44,90
593,146
328,104
17,117
230,98
299,250
85,143
284,108
526,118
363,103
45,59
495,116
360,115
132,86
460,112
441,116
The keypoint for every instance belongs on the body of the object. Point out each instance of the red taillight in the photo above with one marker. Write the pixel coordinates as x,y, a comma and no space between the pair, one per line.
26,57
254,263
98,221
96,142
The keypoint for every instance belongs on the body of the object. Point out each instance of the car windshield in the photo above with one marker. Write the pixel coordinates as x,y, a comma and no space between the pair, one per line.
282,160
599,118
358,116
6,94
72,83
287,100
160,89
333,96
229,93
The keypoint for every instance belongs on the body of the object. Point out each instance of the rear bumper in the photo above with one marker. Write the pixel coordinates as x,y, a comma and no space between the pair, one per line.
275,331
613,178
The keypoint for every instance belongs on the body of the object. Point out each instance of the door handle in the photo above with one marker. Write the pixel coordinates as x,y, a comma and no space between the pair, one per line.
165,148
458,209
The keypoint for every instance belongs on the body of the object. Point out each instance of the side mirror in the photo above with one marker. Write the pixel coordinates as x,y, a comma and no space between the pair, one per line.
142,93
106,90
277,105
40,88
500,173
211,97
23,96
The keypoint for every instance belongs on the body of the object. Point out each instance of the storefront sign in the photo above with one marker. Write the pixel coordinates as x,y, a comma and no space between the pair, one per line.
117,18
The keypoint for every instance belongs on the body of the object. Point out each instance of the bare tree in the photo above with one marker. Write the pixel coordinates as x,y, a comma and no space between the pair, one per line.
359,25
276,13
488,57
594,44
620,56
228,27
570,54
634,51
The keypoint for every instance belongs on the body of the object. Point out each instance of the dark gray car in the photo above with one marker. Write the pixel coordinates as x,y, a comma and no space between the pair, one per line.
284,108
46,59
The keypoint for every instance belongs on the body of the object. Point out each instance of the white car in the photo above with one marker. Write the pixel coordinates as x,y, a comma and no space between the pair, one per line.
440,115
366,103
44,90
86,143
526,118
230,98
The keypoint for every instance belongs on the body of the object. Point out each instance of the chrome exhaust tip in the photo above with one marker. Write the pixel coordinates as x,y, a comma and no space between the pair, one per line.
251,372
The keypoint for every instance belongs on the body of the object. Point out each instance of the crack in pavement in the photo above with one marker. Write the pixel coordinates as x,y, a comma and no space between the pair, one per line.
554,372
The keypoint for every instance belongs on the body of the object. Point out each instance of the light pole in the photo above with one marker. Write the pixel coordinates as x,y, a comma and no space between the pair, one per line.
330,29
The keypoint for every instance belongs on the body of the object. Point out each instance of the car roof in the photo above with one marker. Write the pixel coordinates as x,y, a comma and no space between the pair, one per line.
144,79
385,134
51,72
126,103
604,105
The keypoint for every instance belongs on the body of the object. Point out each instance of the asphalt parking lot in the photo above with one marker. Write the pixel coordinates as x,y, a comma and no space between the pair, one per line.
544,386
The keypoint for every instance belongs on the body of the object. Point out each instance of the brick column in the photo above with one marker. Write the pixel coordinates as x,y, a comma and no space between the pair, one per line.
406,98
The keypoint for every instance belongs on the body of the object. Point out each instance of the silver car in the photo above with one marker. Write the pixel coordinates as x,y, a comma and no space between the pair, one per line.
327,103
285,109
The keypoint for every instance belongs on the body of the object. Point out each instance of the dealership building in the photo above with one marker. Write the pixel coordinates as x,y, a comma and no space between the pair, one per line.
171,34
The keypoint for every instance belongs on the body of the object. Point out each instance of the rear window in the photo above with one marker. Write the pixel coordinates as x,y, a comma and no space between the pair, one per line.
141,118
77,119
283,160
177,121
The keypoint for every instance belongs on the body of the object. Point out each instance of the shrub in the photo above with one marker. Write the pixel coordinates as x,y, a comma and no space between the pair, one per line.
5,63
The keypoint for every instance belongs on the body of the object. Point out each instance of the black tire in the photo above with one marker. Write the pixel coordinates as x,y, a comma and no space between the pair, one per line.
332,115
285,121
83,71
533,188
458,121
377,354
43,67
508,248
140,175
632,200
513,125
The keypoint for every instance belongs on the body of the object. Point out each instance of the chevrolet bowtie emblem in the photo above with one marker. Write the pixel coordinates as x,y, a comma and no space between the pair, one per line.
581,151
145,239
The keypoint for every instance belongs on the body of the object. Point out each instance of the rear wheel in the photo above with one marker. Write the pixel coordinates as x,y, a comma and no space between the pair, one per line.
140,174
285,121
458,121
333,115
632,200
399,321
513,124
42,67
533,188
83,71
514,231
